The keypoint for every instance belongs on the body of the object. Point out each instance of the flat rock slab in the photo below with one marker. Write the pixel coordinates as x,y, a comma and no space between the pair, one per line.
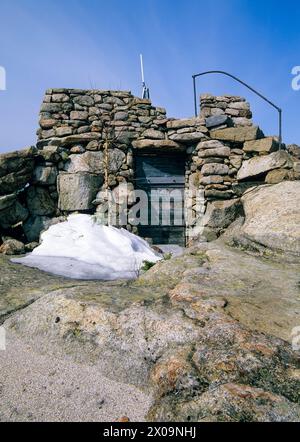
217,120
264,145
238,134
263,164
157,144
182,123
189,137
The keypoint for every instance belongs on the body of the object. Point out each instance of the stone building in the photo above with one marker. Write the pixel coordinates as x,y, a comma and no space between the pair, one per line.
95,143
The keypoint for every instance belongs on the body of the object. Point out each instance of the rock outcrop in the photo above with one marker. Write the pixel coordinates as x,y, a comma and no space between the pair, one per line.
272,217
15,170
182,330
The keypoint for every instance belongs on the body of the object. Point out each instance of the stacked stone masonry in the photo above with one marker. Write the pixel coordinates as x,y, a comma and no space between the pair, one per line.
86,145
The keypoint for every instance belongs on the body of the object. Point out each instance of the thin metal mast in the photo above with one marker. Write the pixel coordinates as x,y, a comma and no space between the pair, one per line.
145,89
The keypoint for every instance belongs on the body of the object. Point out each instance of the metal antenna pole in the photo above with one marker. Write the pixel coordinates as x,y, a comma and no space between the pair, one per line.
142,69
145,90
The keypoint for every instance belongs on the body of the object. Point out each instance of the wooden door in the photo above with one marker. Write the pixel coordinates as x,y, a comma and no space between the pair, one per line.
161,176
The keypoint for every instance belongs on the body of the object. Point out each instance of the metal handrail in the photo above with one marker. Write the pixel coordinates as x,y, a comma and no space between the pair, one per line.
249,87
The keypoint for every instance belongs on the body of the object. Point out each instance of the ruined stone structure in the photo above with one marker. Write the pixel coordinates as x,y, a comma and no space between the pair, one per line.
88,142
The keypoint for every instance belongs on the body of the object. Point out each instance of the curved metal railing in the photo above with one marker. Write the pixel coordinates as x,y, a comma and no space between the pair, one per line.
247,86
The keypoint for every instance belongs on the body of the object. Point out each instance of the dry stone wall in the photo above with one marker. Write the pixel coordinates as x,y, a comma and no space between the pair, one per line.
94,132
234,157
87,141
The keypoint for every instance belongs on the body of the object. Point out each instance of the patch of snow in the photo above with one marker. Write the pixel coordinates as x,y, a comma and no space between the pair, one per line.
80,248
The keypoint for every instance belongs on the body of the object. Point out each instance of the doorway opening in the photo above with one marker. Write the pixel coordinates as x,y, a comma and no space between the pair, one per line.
162,177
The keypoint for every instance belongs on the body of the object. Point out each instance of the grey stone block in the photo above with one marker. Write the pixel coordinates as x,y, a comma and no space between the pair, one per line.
77,190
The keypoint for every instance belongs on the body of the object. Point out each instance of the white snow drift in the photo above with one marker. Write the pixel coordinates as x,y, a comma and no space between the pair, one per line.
82,249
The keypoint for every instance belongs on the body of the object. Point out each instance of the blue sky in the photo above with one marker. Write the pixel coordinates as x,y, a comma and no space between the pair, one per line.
90,43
